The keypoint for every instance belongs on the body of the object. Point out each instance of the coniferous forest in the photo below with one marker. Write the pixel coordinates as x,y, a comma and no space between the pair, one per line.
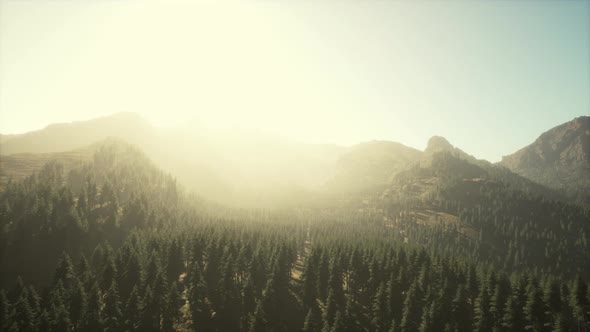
294,166
115,244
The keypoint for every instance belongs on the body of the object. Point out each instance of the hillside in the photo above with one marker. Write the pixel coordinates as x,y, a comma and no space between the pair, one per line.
241,168
559,158
101,238
69,136
487,214
74,208
19,166
370,165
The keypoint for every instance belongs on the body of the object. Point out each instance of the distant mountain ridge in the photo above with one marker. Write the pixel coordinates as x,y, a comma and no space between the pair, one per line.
241,167
62,137
251,165
558,158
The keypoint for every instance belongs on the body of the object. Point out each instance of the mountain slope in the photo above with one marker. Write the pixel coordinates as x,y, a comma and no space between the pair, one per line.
371,165
73,209
559,158
18,166
69,136
487,214
242,168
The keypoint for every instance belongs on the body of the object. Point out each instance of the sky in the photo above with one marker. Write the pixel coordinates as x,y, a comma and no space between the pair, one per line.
489,76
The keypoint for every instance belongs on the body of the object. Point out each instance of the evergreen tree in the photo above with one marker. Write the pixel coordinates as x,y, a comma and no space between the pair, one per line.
461,310
133,310
78,304
23,315
44,322
4,311
312,321
338,325
93,318
172,313
482,318
61,320
411,314
149,319
258,320
175,261
113,316
535,309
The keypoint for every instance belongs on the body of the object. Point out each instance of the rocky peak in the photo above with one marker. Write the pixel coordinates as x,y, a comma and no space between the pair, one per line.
438,144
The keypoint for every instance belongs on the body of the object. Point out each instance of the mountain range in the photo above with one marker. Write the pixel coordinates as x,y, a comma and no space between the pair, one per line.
527,214
249,167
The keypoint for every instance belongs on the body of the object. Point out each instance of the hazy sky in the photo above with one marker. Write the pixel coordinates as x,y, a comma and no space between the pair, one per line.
489,76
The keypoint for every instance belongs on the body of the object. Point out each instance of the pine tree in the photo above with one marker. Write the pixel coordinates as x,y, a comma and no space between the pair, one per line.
310,286
248,298
461,310
426,323
331,309
84,272
393,327
61,320
338,325
173,305
352,315
312,321
23,315
335,282
133,310
378,310
482,318
175,261
512,319
78,304
579,302
149,319
113,316
323,276
133,275
44,322
395,299
109,271
258,320
500,296
4,311
196,298
93,318
411,313
535,309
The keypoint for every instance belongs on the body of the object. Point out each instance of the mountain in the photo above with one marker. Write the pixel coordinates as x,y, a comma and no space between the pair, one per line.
237,167
559,158
440,144
72,207
99,226
114,245
69,136
371,165
484,212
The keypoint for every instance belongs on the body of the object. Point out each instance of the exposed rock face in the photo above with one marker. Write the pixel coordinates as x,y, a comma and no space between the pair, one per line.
440,144
559,158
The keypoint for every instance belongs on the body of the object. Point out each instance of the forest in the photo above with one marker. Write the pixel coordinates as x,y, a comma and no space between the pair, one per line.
117,245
